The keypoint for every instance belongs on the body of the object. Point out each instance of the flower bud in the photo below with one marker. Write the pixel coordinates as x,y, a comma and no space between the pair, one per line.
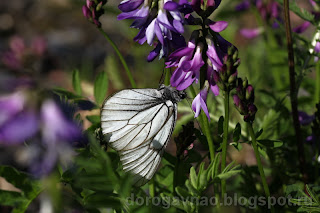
99,6
89,4
245,82
233,78
249,92
203,9
86,12
236,100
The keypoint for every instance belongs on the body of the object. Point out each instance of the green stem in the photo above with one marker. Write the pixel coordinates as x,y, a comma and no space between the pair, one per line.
317,84
206,128
294,92
125,66
151,187
260,167
225,139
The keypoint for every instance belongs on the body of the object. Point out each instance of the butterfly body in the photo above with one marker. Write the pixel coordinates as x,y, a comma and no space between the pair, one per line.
138,123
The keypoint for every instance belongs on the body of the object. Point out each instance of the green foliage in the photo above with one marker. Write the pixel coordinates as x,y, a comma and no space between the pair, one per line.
29,188
76,82
100,87
306,201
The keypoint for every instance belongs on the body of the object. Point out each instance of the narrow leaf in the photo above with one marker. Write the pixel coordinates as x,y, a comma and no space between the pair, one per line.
76,82
100,88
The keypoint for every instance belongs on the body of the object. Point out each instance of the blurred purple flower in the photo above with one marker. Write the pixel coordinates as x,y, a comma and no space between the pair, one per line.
269,12
244,5
17,123
199,102
14,58
301,28
49,133
251,33
56,127
305,119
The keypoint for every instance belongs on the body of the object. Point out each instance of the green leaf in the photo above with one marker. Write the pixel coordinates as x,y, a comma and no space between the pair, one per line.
93,118
270,143
76,83
258,134
237,133
191,189
227,175
193,177
215,167
103,199
311,193
30,188
67,94
203,182
229,171
11,198
100,87
182,192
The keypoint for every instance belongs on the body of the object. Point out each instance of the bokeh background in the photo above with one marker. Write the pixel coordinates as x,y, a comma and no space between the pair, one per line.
66,41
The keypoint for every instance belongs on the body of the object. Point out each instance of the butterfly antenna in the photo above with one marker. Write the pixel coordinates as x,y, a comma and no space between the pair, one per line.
163,75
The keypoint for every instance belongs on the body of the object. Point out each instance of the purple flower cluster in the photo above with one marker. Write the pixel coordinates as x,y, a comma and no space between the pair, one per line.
244,100
93,10
47,130
20,53
161,19
306,120
269,12
189,62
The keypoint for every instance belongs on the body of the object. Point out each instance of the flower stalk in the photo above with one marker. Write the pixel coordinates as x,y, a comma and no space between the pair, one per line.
225,138
294,91
123,62
260,167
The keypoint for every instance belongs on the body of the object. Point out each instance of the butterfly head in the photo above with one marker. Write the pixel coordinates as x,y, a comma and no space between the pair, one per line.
171,93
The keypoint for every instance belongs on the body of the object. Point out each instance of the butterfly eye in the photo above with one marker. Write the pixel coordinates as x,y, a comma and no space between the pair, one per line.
182,94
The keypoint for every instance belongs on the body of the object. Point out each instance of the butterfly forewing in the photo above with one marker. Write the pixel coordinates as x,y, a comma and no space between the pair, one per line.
138,124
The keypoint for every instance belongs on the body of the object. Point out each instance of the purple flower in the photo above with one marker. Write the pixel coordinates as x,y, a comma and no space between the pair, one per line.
305,119
251,33
129,5
92,10
301,28
199,102
164,23
217,51
188,65
218,26
244,5
213,78
269,11
49,133
15,57
17,123
56,127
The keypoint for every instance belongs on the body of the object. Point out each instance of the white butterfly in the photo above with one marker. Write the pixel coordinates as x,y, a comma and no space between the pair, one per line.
138,124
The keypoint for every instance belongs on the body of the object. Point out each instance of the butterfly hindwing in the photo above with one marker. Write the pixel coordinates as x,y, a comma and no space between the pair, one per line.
139,123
